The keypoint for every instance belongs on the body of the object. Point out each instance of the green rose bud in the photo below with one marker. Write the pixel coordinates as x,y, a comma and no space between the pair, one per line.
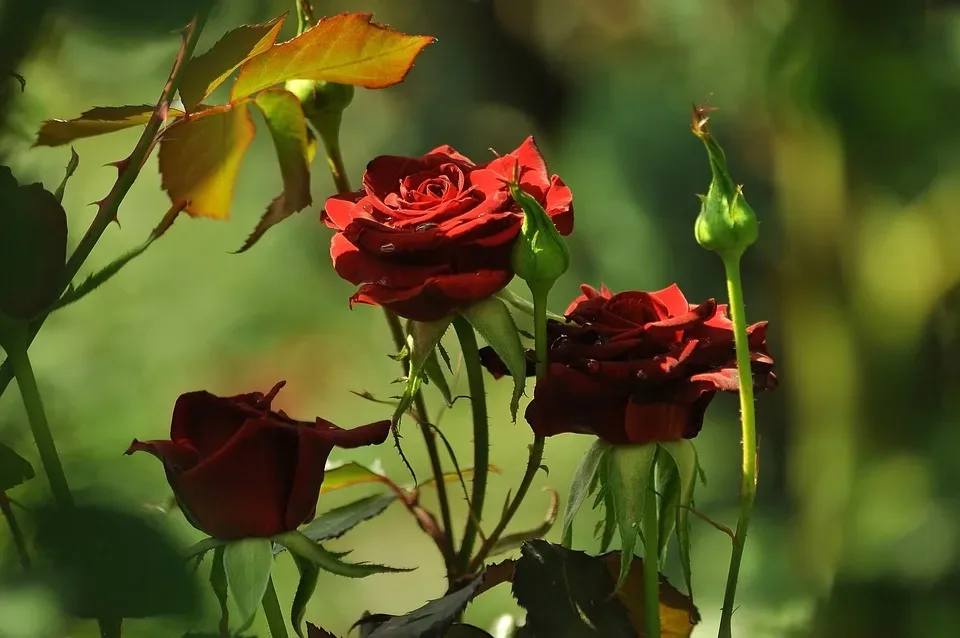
540,255
726,224
321,98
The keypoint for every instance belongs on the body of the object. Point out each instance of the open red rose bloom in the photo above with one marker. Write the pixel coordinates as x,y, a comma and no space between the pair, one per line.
638,367
429,236
241,470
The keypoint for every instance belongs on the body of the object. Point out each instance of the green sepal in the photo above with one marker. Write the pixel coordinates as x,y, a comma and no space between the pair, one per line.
309,575
329,561
247,563
584,483
629,474
492,320
682,455
218,582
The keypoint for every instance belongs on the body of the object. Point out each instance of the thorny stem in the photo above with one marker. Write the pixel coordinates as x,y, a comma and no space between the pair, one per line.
16,533
536,448
128,171
748,479
273,612
330,135
481,433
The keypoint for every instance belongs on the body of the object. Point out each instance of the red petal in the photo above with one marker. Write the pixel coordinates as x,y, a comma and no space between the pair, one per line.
338,209
176,457
438,297
359,267
207,422
673,299
559,205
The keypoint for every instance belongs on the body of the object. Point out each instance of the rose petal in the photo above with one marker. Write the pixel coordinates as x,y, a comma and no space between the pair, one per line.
207,422
176,457
558,204
337,211
673,299
438,297
359,267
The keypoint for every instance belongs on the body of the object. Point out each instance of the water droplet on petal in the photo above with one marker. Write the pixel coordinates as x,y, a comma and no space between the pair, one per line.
387,248
422,227
382,281
593,366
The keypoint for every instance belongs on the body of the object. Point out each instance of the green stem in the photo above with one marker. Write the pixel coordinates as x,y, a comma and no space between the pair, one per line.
16,533
305,18
429,440
327,124
651,564
36,416
481,432
748,477
536,449
271,609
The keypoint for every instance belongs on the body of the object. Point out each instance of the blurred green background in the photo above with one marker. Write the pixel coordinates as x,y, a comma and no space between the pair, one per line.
838,118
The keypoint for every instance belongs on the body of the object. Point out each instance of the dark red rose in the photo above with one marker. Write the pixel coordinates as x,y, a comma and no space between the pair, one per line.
241,470
637,367
429,236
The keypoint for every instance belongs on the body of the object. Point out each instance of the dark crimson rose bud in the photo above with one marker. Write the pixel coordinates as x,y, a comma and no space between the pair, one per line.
241,470
638,367
429,236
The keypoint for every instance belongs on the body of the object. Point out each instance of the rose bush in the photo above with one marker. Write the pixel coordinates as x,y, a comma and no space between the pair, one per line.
428,236
241,470
637,367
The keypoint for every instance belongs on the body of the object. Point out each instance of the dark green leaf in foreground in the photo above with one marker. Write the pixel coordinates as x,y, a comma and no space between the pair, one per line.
14,469
432,620
110,562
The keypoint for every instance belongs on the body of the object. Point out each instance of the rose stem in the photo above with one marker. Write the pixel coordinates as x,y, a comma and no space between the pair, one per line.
126,176
271,609
748,477
330,135
481,432
19,542
536,448
651,564
305,19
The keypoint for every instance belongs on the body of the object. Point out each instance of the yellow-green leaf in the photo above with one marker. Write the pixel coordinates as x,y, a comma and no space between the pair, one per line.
295,149
97,121
200,157
208,71
347,49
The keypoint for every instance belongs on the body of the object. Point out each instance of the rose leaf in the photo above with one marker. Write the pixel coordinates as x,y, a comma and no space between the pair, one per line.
295,147
206,72
338,521
346,49
97,121
200,158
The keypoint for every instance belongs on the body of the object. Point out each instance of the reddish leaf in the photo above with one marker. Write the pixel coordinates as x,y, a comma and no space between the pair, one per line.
678,616
347,49
200,157
96,121
208,71
295,150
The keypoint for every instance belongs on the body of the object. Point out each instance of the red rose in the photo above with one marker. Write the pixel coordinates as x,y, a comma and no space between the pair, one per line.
241,470
637,367
429,236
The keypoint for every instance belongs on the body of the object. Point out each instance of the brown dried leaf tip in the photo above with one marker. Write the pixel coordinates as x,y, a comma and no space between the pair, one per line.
701,117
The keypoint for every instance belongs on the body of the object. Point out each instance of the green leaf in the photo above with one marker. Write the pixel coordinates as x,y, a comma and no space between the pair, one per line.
567,594
492,319
97,121
218,582
683,453
248,562
329,561
318,632
284,117
583,484
629,476
200,158
349,474
338,521
113,562
346,49
33,247
309,574
433,619
206,72
511,542
198,549
14,469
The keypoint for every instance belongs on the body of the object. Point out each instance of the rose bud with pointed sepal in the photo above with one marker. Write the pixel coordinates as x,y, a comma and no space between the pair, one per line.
242,470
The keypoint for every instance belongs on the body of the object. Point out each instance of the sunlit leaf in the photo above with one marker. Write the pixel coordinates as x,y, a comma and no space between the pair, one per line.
14,469
349,474
247,563
347,49
433,619
200,157
295,149
206,72
678,616
97,121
